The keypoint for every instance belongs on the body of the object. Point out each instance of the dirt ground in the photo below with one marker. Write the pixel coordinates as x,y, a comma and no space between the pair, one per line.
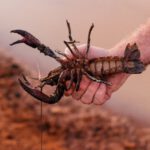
68,125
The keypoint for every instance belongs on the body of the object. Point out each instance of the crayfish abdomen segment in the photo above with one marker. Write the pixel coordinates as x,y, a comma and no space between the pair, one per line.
105,66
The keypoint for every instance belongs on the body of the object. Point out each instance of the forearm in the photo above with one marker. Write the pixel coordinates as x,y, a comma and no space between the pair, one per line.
142,37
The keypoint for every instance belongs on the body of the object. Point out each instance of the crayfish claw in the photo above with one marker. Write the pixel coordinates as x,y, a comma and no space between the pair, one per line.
20,32
28,38
38,94
32,91
25,79
25,84
17,42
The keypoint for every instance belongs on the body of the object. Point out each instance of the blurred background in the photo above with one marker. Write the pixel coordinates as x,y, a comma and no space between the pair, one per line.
114,21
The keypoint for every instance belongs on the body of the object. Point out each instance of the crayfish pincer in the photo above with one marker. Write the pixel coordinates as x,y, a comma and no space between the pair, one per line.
72,69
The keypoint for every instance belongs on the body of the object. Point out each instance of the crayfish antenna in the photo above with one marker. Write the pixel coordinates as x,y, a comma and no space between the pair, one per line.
38,70
89,38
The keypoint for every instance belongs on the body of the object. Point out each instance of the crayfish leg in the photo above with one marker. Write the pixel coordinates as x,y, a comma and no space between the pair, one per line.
97,80
72,41
79,77
73,72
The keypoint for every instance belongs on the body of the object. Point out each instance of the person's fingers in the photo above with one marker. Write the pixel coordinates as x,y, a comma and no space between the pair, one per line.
84,84
87,98
99,97
81,49
107,96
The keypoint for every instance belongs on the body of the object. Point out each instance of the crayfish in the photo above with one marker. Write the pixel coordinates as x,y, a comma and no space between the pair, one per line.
72,69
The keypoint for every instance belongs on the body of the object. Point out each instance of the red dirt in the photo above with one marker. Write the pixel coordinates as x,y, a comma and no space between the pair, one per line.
68,125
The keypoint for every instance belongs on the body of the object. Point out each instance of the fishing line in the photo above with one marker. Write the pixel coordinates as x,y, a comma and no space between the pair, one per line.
41,126
41,116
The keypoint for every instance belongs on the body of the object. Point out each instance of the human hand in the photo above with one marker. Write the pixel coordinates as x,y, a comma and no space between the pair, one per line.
93,92
98,93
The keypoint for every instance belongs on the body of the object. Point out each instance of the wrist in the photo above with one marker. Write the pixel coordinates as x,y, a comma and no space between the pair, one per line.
141,37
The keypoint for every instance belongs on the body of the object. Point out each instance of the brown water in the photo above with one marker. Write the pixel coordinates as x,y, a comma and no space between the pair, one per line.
114,20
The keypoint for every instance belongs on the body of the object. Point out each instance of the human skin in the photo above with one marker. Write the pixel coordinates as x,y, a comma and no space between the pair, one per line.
98,93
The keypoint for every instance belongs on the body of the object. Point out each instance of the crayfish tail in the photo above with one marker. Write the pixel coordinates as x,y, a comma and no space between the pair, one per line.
132,62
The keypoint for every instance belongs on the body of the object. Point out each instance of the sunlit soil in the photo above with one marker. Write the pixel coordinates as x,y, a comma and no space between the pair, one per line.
68,125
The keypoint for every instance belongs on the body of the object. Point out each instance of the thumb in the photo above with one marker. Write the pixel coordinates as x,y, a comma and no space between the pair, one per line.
94,51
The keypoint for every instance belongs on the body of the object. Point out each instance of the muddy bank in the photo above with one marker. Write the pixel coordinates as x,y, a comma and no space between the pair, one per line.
67,125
